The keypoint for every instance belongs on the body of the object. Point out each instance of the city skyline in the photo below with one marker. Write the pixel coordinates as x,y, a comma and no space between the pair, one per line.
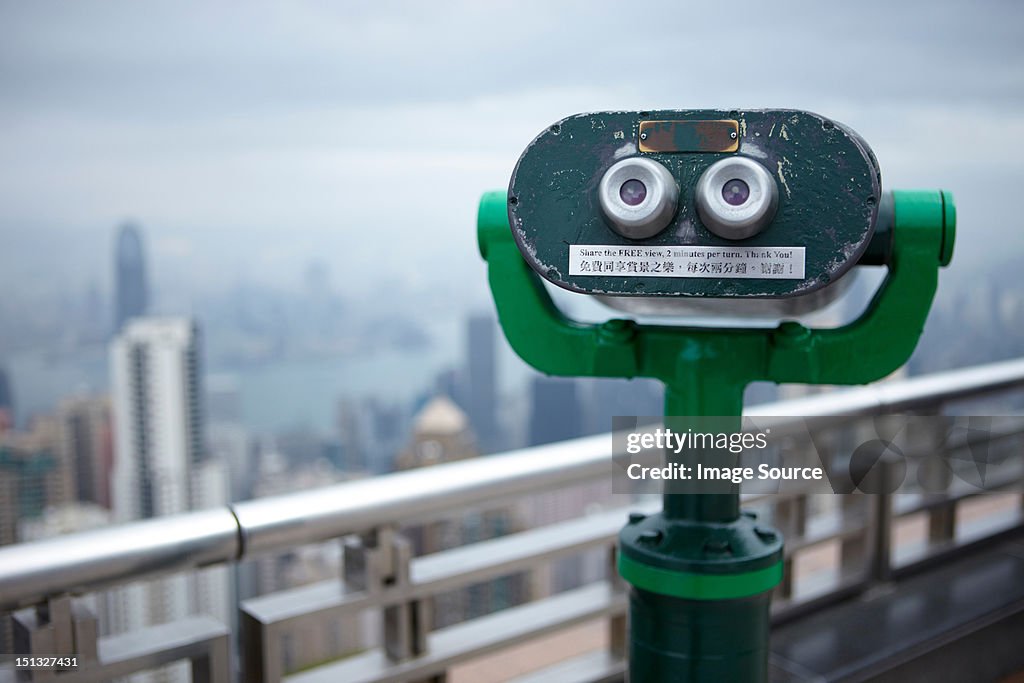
259,418
335,321
308,245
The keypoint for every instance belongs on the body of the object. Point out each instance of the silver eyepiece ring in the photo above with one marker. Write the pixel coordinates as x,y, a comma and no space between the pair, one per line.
736,198
639,197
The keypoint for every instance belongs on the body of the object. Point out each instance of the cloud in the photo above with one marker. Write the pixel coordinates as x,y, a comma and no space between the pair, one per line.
363,133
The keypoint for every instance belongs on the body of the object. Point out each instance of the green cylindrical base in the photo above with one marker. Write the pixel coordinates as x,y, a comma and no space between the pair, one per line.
674,639
699,597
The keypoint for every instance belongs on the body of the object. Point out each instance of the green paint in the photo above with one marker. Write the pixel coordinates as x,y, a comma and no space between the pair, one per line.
695,586
827,178
688,360
698,615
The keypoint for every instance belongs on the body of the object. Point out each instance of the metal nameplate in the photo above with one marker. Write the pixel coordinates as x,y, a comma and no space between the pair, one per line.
689,136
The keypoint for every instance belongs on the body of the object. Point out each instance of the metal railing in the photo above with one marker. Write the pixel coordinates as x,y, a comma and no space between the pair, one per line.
38,581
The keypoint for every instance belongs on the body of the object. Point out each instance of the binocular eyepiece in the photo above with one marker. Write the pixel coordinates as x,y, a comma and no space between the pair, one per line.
735,197
639,197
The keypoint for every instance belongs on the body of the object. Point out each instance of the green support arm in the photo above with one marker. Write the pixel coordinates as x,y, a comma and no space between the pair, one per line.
867,349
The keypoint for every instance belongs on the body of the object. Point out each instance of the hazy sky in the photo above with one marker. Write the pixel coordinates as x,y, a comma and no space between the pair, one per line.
250,138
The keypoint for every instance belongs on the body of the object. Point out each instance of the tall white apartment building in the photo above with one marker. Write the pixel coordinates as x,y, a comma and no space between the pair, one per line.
159,465
157,418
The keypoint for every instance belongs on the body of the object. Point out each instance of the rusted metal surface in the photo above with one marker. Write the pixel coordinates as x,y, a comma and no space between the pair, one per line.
690,136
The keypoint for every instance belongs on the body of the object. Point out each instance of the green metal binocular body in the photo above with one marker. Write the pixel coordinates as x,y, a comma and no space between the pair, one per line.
695,203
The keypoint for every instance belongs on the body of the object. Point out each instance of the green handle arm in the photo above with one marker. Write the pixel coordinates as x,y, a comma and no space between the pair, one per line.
869,348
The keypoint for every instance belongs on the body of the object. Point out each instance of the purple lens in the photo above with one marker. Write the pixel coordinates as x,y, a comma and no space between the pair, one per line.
735,192
633,192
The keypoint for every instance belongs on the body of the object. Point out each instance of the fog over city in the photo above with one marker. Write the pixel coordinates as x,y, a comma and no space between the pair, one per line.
362,134
248,341
305,176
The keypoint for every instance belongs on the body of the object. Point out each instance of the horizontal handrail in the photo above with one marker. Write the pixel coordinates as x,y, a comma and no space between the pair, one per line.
32,572
901,395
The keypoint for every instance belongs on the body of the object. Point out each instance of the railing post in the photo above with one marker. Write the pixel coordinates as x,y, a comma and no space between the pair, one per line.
380,561
854,548
215,665
55,627
882,524
934,476
791,520
261,656
618,631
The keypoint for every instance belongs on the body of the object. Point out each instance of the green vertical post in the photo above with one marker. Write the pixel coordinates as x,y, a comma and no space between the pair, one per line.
702,571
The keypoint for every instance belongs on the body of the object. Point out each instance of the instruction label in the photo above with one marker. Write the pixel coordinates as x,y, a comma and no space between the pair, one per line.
764,263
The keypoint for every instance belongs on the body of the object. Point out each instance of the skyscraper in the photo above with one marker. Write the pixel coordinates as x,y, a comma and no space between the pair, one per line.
440,433
33,476
158,430
483,392
556,412
131,291
6,402
87,444
159,464
605,398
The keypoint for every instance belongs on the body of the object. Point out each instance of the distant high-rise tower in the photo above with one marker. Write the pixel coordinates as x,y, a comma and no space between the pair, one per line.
130,288
6,403
87,445
606,398
483,391
557,413
440,433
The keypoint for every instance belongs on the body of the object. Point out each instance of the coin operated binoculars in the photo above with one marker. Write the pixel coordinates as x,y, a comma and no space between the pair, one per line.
750,214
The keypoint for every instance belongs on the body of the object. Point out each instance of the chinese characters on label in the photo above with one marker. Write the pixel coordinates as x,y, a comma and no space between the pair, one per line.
771,263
